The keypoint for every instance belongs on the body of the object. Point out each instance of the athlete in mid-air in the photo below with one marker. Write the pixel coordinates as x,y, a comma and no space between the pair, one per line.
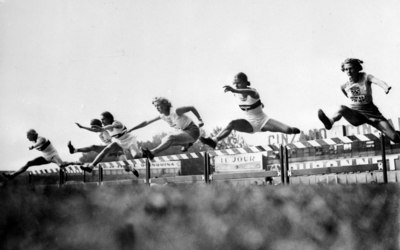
121,140
362,109
103,134
50,154
186,131
254,119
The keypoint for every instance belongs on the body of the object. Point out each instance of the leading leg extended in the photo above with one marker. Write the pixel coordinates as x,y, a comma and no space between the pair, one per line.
35,162
176,138
388,130
277,126
110,148
352,116
94,148
240,125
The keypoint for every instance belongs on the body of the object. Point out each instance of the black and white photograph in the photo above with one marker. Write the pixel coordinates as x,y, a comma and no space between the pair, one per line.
225,124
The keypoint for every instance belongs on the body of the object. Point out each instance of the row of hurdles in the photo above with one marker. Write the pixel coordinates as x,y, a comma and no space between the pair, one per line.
283,174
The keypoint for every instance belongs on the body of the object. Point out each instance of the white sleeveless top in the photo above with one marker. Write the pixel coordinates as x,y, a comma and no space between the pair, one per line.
359,92
175,121
245,103
105,137
46,147
117,132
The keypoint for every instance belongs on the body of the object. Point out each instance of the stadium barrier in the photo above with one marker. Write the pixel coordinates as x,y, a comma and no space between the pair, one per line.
284,172
344,169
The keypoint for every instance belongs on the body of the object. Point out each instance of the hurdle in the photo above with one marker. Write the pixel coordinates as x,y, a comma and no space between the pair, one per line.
284,171
342,169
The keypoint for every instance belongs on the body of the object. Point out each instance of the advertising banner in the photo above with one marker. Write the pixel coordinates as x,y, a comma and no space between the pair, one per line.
393,162
237,163
160,165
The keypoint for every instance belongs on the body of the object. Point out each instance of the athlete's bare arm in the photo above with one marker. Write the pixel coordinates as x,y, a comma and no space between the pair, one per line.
87,128
180,111
251,92
144,124
380,83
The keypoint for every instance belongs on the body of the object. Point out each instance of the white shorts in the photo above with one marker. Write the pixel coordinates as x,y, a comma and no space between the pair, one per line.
257,122
129,144
53,156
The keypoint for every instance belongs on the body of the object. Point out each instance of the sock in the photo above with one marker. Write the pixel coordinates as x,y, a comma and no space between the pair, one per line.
215,139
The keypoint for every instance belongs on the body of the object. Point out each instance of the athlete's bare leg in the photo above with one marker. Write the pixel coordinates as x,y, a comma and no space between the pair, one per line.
277,126
94,148
35,162
388,130
353,117
110,148
176,138
240,125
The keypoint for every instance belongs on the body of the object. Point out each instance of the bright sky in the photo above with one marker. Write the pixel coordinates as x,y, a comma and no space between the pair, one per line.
63,62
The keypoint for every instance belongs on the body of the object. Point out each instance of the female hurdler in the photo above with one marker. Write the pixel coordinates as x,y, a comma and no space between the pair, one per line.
121,140
50,154
362,109
255,120
103,134
186,132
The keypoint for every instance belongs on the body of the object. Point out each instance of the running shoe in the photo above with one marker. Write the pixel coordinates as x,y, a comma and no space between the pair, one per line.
135,172
208,141
185,149
86,169
296,130
324,119
71,148
129,168
147,153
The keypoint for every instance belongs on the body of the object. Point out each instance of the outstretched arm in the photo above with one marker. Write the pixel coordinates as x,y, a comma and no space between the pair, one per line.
251,92
380,83
180,111
144,124
87,128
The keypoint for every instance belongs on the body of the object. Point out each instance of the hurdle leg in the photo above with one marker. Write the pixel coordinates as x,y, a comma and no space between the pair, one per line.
148,171
281,158
385,178
286,166
206,168
61,177
100,175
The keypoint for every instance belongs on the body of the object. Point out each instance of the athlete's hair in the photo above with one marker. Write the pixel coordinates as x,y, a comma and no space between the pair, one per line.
243,77
108,115
162,100
353,61
32,132
96,122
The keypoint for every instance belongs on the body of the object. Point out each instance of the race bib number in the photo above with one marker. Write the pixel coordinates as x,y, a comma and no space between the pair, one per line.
355,91
358,99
